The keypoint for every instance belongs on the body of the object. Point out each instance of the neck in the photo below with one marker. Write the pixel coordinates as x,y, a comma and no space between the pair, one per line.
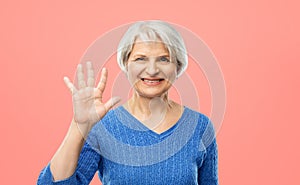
145,107
156,113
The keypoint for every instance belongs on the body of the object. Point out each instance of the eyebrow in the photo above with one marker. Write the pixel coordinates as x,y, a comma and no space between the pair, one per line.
139,55
143,55
165,55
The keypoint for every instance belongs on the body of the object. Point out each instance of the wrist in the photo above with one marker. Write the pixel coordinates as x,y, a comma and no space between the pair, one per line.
80,130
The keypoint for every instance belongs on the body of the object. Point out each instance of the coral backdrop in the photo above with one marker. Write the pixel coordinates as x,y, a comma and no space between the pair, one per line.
256,43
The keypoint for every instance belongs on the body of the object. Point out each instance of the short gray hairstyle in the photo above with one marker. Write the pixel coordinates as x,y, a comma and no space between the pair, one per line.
154,30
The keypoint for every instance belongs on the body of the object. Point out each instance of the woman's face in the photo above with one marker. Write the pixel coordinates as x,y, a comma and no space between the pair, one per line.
150,69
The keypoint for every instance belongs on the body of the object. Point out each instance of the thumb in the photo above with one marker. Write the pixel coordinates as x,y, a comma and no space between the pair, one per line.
112,102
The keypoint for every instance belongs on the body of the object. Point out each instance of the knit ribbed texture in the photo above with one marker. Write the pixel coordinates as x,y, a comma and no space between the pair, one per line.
124,151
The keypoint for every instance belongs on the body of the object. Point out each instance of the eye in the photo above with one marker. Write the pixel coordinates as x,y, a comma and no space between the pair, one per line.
140,59
164,59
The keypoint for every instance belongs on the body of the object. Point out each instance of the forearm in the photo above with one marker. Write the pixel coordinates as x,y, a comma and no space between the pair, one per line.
65,160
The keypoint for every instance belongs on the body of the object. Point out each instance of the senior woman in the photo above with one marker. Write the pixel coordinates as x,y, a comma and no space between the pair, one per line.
150,139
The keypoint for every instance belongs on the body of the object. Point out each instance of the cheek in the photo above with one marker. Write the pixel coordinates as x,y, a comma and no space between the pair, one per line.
171,74
132,73
172,77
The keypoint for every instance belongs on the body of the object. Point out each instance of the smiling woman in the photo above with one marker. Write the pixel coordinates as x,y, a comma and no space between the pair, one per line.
150,70
151,73
150,139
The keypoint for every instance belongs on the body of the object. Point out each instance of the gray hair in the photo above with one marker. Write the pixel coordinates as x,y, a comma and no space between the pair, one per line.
154,30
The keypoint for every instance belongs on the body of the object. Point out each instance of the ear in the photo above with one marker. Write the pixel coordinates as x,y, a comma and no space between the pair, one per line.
125,70
126,66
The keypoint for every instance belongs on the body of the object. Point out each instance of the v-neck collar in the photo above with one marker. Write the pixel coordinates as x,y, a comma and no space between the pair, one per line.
133,123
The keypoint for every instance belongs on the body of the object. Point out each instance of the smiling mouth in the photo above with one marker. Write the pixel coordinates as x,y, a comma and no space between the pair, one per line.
148,80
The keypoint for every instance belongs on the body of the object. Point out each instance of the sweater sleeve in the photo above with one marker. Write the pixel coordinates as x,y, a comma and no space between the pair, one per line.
208,172
88,164
208,168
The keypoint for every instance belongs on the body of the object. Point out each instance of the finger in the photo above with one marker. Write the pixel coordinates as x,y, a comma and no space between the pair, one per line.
101,85
90,74
70,85
80,77
111,102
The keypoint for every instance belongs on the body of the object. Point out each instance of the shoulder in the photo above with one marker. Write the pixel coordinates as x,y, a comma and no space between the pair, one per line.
201,118
205,128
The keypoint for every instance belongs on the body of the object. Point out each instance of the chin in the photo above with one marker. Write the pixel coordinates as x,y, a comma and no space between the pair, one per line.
151,94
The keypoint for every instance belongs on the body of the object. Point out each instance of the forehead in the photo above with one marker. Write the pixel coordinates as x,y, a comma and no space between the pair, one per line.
149,47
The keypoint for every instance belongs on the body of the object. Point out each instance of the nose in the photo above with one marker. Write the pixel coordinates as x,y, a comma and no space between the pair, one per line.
152,68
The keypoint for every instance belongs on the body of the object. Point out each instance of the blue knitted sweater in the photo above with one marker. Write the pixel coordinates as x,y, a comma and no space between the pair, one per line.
125,152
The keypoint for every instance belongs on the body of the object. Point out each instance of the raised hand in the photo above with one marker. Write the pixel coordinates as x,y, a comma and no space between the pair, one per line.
88,106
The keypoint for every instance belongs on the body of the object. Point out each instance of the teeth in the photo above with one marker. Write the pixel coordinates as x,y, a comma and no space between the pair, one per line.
151,81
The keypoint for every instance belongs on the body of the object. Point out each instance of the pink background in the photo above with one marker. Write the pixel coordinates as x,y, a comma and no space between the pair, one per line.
257,46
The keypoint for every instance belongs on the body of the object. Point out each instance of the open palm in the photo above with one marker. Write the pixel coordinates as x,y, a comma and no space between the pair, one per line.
88,106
